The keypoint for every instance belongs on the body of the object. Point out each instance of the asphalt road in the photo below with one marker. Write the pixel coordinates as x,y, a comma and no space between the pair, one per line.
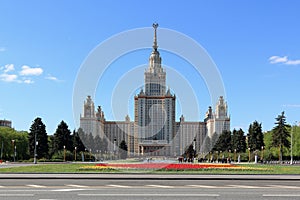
61,189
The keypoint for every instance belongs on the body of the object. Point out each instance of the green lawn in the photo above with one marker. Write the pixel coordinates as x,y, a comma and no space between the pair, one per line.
75,168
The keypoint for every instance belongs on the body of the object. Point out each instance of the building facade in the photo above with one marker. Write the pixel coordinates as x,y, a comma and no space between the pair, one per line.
5,123
154,131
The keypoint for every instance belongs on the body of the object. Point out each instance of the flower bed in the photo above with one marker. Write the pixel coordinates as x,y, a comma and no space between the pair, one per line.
167,166
97,167
117,167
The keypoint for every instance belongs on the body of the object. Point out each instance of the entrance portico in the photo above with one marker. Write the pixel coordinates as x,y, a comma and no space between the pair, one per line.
154,148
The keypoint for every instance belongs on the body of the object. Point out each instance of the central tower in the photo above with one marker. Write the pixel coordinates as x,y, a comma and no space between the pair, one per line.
155,76
154,110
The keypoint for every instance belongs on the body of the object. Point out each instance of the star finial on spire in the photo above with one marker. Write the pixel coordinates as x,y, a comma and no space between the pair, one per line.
155,25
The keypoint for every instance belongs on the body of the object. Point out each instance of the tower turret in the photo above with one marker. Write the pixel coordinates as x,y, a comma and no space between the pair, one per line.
155,76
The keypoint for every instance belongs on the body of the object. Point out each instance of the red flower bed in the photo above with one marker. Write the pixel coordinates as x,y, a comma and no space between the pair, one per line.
167,166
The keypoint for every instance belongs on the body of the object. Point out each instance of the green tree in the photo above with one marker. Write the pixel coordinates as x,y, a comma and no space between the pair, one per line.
214,139
189,152
270,152
255,136
295,130
124,149
224,142
238,141
51,145
62,138
38,129
19,149
280,134
77,142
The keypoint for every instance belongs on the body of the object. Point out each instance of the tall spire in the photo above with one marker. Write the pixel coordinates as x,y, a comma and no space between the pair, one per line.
155,59
155,25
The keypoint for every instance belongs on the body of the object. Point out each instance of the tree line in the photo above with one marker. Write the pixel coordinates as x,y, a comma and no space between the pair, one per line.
20,145
274,144
63,144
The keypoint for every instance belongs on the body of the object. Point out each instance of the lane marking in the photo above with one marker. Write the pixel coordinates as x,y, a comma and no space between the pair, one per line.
244,186
119,186
27,190
151,195
160,186
68,190
47,199
202,186
16,195
284,186
78,186
36,186
281,195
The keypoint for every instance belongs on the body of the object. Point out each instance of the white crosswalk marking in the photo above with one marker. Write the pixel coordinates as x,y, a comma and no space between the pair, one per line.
202,186
78,186
281,195
119,186
47,199
36,186
284,186
160,186
244,186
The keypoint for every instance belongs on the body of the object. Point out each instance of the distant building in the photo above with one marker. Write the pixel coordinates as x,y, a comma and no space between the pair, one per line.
5,123
154,131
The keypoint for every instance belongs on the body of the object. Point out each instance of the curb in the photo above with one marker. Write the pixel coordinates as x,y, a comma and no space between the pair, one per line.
108,176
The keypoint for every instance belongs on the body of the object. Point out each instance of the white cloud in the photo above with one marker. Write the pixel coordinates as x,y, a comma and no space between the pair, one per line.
2,49
28,81
28,71
292,105
284,60
292,62
278,59
8,68
52,78
8,77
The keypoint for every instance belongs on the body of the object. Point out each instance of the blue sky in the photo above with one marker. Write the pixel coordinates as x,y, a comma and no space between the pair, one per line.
255,45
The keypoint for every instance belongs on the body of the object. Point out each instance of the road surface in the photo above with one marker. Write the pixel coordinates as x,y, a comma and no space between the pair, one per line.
64,189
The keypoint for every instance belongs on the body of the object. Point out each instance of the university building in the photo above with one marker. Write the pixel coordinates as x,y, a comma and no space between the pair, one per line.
154,130
5,123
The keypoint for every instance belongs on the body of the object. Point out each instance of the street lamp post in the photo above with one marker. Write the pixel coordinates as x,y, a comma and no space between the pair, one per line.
14,151
64,153
115,140
249,155
262,153
75,153
234,155
35,149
